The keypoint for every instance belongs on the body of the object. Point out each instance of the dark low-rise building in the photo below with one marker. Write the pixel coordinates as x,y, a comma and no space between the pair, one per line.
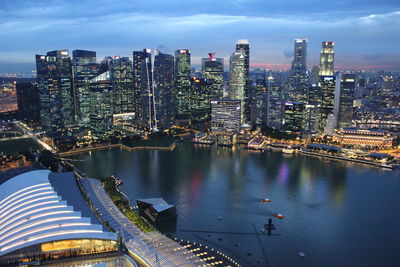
156,209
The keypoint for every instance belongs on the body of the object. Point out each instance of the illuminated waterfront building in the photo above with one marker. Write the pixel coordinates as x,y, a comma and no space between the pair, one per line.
344,96
225,115
275,102
143,89
213,71
43,216
327,59
164,90
363,138
182,82
85,69
56,94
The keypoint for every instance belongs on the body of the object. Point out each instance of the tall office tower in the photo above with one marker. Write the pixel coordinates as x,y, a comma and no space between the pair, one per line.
275,102
225,115
101,104
344,96
213,71
259,102
293,117
121,79
182,82
311,120
164,90
28,102
56,94
299,63
327,87
298,79
200,97
85,69
143,89
326,59
237,79
243,45
314,75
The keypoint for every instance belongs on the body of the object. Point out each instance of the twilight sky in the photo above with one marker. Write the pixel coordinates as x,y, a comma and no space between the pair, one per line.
366,33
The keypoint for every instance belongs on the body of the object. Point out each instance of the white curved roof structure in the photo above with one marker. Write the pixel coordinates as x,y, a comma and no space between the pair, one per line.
40,206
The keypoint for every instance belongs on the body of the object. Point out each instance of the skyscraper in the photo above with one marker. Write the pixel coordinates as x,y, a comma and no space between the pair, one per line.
182,82
28,102
293,117
298,79
56,94
101,104
85,69
200,97
164,90
243,45
344,96
121,80
225,115
143,89
299,63
237,79
213,71
259,102
326,59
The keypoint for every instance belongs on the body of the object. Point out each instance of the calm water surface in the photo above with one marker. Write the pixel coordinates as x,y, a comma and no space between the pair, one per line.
338,214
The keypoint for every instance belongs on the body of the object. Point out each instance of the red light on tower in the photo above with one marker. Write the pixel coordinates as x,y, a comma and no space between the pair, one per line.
211,56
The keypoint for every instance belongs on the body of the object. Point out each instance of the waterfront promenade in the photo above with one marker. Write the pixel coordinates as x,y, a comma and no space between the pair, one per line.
111,146
149,249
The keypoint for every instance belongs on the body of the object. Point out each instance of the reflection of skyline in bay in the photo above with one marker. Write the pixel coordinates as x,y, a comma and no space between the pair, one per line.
322,202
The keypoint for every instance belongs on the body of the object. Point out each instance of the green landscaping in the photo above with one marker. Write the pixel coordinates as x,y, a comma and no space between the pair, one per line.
110,185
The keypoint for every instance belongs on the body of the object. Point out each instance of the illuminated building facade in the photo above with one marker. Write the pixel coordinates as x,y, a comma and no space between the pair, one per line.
101,105
56,94
182,82
299,63
344,97
225,115
200,96
244,47
275,102
311,120
326,59
164,90
85,69
363,138
259,102
237,79
143,89
213,71
43,215
327,91
121,79
293,117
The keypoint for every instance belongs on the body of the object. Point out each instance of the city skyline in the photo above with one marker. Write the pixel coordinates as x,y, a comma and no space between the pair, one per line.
365,36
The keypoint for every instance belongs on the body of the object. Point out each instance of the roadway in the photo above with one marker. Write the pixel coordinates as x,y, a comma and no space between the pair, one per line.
153,248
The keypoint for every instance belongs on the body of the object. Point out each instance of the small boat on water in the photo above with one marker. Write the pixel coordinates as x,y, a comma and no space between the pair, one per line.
266,200
288,150
279,216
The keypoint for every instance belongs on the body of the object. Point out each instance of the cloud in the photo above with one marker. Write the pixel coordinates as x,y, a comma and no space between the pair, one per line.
288,53
373,57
